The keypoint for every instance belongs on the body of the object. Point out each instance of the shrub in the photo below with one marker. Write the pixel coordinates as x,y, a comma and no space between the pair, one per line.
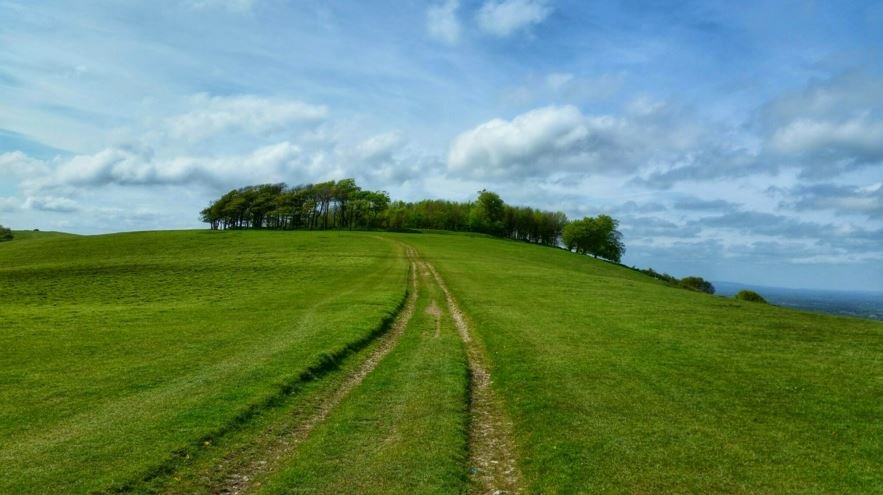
750,295
697,283
5,234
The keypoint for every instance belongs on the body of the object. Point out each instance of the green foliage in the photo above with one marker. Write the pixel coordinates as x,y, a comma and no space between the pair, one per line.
750,295
669,279
596,236
697,284
344,205
6,234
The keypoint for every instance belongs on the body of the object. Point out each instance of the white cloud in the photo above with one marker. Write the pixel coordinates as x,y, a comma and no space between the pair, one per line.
243,113
54,204
555,139
858,138
134,167
442,23
503,18
380,148
17,164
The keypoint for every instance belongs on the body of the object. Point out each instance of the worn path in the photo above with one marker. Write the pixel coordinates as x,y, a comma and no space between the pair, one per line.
494,469
239,482
492,465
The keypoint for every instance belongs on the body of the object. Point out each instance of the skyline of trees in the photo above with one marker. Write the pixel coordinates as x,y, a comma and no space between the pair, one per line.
344,205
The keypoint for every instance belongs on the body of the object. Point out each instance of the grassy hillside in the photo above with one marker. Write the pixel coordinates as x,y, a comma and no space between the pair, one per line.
29,235
617,384
174,362
121,349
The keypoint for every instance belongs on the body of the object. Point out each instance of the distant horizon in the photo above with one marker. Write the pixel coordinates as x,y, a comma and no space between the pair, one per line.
732,141
747,285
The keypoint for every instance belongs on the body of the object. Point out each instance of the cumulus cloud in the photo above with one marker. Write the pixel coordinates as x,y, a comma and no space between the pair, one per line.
442,22
55,204
139,167
855,140
829,127
505,17
242,113
18,164
562,139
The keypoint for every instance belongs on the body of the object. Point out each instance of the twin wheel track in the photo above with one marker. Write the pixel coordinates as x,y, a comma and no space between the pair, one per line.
493,469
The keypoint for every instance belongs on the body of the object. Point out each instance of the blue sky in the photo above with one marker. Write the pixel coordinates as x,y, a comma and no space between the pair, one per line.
734,140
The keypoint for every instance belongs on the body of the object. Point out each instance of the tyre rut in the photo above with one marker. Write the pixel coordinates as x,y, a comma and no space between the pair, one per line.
241,481
492,459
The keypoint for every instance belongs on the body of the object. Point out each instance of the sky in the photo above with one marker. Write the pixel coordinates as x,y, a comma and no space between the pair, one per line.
738,141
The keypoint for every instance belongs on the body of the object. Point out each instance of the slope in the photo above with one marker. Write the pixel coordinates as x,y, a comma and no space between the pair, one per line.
122,351
618,384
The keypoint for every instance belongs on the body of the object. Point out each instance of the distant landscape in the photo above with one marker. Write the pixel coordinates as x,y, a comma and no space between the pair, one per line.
861,304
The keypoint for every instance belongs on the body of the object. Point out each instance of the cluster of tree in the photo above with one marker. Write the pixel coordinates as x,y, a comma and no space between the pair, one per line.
751,296
344,205
489,214
698,284
670,279
5,234
596,236
326,205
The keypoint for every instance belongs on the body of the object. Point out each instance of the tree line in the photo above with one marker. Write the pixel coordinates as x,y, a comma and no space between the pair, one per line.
344,205
6,234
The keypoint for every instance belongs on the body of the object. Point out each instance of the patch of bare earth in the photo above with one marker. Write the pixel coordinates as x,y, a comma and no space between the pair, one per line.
436,312
491,447
241,481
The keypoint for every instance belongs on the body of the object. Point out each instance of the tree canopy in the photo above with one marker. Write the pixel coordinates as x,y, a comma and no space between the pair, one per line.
5,234
750,295
596,236
344,205
698,284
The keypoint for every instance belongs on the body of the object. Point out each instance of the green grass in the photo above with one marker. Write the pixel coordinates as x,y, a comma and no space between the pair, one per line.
617,384
403,430
120,350
163,361
30,235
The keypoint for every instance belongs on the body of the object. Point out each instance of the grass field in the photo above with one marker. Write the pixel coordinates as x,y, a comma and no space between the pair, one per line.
176,362
121,349
29,235
617,384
